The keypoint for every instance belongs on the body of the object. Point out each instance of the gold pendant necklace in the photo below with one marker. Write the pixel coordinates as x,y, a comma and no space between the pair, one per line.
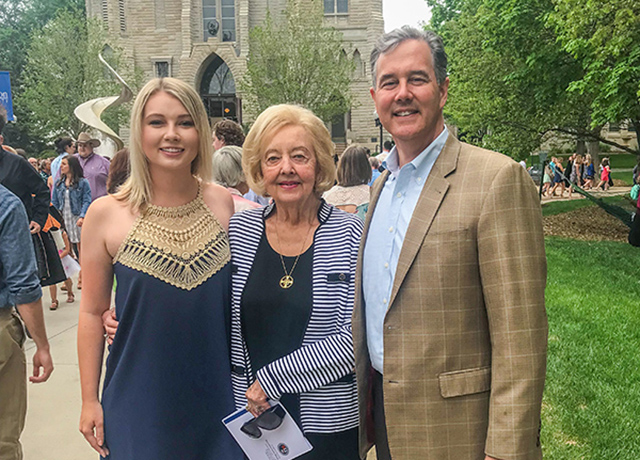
287,280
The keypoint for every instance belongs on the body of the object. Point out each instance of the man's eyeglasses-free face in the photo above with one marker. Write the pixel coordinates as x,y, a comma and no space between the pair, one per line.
269,420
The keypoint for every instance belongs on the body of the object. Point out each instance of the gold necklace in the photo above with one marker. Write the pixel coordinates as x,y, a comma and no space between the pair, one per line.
287,280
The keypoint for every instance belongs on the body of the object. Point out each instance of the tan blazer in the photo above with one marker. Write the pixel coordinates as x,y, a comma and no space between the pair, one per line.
465,335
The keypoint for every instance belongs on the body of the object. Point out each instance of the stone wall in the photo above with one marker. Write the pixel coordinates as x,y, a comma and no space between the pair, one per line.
171,31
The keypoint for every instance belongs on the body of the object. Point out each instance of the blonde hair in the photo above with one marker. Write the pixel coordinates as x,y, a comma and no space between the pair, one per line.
137,188
267,126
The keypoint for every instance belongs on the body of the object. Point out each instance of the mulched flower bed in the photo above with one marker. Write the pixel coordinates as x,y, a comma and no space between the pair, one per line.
587,224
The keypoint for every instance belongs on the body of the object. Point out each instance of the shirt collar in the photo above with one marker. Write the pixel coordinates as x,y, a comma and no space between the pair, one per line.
392,163
87,158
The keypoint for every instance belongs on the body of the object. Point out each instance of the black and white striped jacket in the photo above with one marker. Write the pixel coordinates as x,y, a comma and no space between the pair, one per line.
322,370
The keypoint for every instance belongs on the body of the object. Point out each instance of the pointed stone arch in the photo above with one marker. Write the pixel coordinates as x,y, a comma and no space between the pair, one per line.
217,88
359,64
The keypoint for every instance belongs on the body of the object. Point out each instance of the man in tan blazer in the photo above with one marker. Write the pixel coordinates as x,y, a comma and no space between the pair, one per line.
450,329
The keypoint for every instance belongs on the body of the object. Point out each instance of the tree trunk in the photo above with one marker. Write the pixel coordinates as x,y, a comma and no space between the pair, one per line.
593,148
581,147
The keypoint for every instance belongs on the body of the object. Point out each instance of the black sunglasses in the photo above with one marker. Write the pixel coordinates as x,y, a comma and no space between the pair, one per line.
269,420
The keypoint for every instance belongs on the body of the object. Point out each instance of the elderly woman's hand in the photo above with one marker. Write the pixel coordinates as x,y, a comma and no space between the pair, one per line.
257,399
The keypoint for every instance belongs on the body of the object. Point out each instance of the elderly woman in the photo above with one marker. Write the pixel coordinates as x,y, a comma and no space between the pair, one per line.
354,174
162,234
292,292
227,171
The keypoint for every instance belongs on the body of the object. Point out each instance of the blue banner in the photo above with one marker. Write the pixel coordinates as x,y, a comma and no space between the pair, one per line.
5,94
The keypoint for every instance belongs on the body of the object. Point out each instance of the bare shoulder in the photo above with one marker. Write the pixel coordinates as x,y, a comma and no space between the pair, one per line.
107,207
108,221
219,200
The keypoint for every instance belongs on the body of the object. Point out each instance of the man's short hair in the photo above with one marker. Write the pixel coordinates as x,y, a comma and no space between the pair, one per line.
390,41
374,162
387,145
230,132
3,118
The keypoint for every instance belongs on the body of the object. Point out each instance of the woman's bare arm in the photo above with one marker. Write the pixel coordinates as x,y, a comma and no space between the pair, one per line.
97,273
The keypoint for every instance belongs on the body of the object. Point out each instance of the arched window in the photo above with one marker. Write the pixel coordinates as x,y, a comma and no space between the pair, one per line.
218,79
357,60
218,90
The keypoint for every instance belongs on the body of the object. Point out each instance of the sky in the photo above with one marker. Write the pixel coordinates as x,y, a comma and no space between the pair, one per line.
400,12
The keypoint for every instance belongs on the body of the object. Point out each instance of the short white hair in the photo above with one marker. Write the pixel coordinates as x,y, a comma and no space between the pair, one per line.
227,166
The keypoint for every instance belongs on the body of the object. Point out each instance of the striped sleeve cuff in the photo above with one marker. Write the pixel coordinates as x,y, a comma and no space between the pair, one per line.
268,383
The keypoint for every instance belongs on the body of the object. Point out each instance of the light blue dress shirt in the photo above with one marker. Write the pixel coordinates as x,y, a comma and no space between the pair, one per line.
55,166
389,224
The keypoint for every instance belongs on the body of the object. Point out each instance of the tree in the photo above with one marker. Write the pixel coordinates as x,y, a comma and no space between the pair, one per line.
605,38
512,79
62,71
508,73
298,61
18,20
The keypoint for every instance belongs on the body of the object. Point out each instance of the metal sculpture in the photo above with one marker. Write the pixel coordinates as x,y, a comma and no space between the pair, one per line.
90,112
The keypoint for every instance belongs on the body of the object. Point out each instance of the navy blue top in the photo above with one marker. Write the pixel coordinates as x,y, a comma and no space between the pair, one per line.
167,385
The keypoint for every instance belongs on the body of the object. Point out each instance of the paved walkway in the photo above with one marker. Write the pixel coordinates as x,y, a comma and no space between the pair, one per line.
53,411
613,191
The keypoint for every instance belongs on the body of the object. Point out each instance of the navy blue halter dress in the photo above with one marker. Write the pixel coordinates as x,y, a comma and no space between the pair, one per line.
167,385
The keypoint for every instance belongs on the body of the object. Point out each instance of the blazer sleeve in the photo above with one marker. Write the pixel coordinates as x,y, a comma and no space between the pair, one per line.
86,196
322,362
513,271
40,192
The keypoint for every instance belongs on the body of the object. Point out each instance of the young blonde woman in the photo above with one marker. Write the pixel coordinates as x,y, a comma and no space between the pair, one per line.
163,236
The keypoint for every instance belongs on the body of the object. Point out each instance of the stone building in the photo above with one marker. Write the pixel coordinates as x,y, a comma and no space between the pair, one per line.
205,43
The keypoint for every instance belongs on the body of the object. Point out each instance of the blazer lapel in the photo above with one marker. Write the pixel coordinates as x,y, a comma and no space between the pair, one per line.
428,204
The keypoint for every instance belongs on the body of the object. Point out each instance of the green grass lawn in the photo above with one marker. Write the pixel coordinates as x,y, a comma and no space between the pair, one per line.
625,176
621,160
591,407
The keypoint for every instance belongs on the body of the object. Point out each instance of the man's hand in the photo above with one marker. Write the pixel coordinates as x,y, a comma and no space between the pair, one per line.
41,361
34,227
80,221
257,399
110,324
490,458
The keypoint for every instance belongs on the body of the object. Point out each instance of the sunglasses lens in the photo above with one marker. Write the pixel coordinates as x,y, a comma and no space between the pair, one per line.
271,419
251,429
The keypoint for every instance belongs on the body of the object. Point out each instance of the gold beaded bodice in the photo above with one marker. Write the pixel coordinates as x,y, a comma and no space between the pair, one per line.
183,246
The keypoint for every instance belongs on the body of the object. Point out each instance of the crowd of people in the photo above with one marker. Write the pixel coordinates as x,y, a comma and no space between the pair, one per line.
579,170
397,304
